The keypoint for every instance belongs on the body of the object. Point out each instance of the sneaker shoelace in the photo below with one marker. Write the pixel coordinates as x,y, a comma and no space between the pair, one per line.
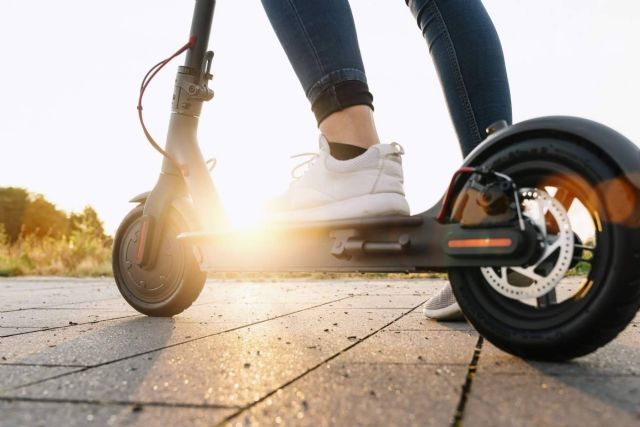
308,162
398,150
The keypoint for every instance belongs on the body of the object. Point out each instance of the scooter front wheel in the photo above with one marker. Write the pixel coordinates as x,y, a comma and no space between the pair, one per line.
172,282
536,311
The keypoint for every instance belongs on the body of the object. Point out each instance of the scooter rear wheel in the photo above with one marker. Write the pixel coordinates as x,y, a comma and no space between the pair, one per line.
565,323
172,283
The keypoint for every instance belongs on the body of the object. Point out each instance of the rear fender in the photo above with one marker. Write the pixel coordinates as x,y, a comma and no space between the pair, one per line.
606,142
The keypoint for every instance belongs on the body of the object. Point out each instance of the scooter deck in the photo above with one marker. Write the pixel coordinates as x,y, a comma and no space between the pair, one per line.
383,244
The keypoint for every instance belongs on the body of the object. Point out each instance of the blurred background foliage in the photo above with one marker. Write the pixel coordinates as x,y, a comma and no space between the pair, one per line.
37,238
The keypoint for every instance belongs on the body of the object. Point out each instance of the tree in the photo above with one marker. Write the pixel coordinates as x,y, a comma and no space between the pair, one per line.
13,202
32,214
88,223
42,218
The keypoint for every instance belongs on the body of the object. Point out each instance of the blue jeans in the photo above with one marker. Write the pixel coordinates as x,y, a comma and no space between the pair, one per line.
320,40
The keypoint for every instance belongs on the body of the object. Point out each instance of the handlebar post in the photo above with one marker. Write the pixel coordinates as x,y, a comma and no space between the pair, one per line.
200,29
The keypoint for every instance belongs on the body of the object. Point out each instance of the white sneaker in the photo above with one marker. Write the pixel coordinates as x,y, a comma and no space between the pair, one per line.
368,185
443,305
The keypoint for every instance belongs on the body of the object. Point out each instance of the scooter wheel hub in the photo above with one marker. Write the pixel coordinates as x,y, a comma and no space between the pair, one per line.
542,276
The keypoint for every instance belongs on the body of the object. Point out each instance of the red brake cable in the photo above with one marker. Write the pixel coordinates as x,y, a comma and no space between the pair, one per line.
143,86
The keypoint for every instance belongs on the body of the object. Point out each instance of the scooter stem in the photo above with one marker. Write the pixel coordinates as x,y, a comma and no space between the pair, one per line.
191,91
194,181
200,29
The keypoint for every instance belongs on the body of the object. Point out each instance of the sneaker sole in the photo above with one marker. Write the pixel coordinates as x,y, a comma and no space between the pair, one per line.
450,312
381,204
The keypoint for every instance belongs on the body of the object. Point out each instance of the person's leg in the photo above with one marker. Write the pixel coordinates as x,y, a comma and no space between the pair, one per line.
355,175
354,125
468,56
320,39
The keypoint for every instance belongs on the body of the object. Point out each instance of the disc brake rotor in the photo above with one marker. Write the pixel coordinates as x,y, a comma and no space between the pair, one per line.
557,240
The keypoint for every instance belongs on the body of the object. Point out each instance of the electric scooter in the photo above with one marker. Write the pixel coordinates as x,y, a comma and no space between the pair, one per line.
534,204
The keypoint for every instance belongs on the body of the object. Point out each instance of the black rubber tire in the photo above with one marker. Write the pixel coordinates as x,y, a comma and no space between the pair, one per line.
175,280
582,324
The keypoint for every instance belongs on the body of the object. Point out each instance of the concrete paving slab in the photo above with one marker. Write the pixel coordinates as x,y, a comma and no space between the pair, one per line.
12,376
114,303
203,312
234,368
92,344
336,352
599,389
620,357
378,302
58,317
417,321
344,394
30,293
41,300
90,293
72,414
292,291
19,284
432,347
542,400
410,287
7,332
215,312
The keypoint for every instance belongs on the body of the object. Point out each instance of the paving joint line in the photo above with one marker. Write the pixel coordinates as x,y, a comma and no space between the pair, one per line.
436,332
41,381
21,288
64,306
398,295
19,327
43,365
54,328
118,403
127,308
313,368
370,308
175,344
59,306
405,363
560,375
466,388
433,330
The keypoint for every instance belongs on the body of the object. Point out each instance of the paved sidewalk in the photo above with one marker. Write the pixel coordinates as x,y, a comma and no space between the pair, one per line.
318,353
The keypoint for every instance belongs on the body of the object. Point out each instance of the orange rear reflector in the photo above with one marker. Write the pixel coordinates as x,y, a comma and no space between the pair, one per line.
480,243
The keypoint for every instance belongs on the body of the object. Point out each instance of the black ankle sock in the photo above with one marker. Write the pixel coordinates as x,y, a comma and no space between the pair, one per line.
341,151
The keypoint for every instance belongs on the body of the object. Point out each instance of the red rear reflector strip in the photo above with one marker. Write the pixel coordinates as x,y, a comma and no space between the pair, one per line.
480,243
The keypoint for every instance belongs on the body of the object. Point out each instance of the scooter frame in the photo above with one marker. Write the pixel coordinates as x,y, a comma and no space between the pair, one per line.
417,243
179,228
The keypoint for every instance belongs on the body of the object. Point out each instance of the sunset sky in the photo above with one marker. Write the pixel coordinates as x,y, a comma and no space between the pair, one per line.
71,72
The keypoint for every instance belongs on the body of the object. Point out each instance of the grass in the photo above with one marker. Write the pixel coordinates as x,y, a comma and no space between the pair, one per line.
80,254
